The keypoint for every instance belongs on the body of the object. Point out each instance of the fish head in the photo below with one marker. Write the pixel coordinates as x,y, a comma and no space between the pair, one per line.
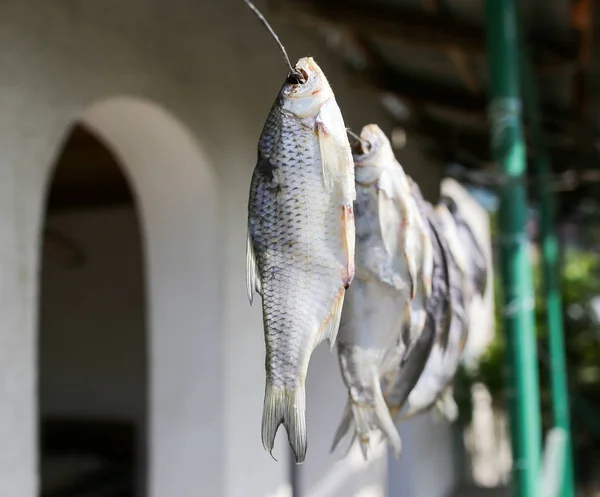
306,90
372,154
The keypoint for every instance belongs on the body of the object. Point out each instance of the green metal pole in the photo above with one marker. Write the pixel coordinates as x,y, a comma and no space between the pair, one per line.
551,265
509,154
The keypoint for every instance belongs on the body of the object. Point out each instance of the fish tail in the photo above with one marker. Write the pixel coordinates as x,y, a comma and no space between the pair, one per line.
446,405
360,419
346,431
287,407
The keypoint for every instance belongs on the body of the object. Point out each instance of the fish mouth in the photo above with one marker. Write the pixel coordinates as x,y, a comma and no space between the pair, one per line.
361,147
361,151
298,77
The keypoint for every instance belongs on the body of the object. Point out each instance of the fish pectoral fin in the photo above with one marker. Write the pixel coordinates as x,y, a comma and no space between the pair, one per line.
331,325
349,242
390,214
253,281
336,156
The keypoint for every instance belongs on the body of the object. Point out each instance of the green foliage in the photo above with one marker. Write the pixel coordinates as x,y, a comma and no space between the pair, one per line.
580,285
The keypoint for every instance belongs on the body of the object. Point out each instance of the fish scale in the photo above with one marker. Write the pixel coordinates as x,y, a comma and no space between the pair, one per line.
287,249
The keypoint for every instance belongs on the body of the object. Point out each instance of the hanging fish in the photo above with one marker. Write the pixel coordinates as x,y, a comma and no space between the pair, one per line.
434,387
469,263
300,249
391,247
475,260
437,324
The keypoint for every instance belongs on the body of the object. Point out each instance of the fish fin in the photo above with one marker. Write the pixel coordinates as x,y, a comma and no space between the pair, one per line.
394,411
330,327
346,431
349,239
377,416
253,282
336,155
407,227
446,405
445,328
406,325
411,413
413,329
427,263
390,219
412,273
389,363
287,407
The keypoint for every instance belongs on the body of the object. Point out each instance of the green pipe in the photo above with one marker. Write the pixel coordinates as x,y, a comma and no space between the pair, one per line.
550,263
517,282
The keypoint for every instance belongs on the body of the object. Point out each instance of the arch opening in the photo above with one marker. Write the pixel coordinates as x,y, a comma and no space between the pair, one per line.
180,384
92,361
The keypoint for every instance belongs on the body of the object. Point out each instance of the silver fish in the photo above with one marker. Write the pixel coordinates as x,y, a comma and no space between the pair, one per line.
437,324
434,387
300,250
392,249
475,261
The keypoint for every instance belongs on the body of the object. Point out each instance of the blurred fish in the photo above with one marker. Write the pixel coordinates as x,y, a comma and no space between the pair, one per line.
392,266
468,248
434,386
437,324
300,250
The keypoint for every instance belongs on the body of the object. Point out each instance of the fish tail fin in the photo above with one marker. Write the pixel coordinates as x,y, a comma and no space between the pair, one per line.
346,431
287,407
446,405
378,416
360,419
413,412
332,323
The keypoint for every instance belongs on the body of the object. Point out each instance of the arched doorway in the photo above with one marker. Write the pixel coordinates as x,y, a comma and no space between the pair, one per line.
175,192
92,338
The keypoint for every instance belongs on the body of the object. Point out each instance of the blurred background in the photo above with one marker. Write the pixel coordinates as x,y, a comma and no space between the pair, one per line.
131,364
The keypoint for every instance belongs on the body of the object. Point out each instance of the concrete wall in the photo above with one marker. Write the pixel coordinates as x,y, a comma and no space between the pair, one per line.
210,74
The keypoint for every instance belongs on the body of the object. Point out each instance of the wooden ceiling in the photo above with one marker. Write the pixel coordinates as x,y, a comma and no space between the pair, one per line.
430,55
87,175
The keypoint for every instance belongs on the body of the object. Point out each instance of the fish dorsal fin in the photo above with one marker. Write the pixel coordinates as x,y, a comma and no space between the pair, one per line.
336,156
253,282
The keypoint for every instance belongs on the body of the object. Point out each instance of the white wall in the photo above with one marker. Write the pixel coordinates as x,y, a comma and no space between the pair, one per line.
215,71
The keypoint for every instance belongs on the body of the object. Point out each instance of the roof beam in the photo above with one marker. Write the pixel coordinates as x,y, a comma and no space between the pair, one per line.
423,93
409,27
